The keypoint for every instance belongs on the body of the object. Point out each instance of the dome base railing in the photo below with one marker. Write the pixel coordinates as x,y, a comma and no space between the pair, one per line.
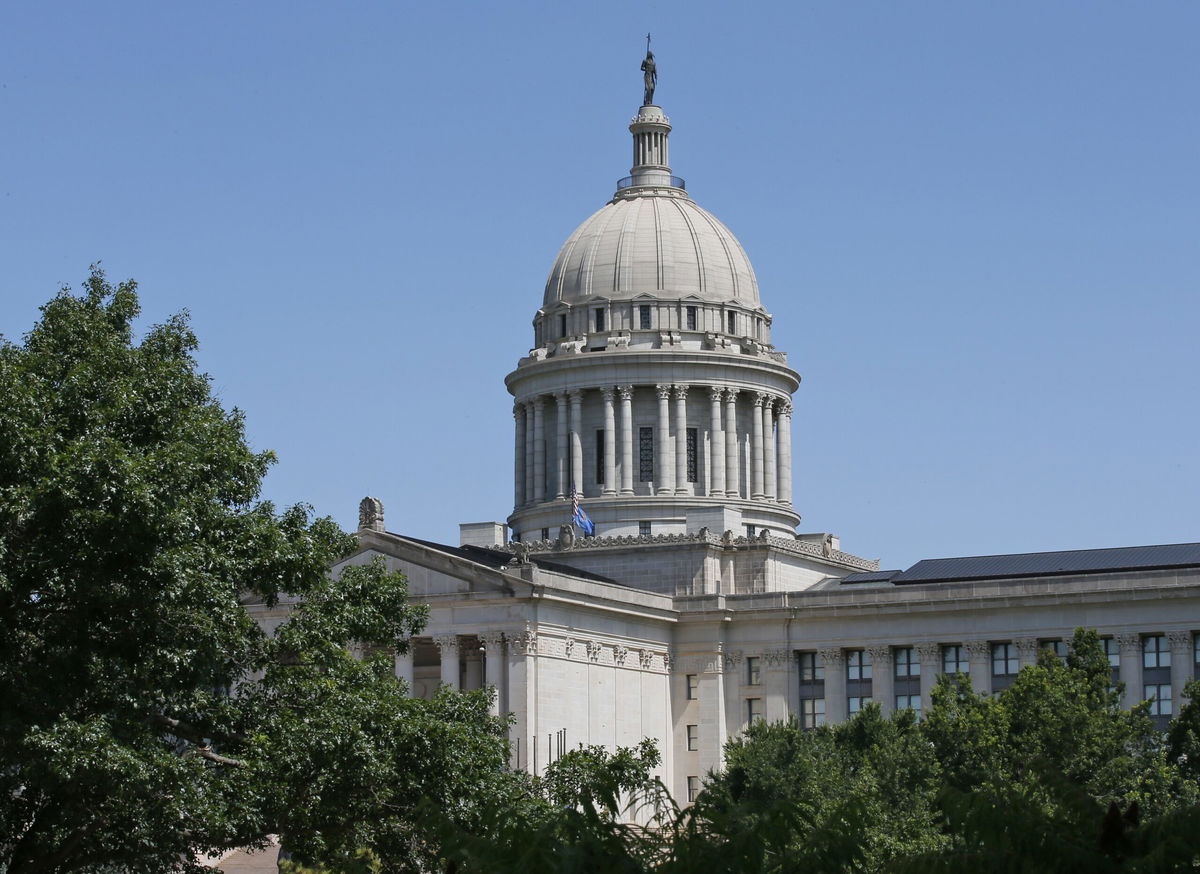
632,182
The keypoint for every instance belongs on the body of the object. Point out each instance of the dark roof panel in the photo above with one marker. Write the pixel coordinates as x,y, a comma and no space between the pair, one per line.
869,577
1040,564
496,559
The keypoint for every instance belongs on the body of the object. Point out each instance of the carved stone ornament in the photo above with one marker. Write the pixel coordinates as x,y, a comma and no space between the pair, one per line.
594,648
716,392
493,642
447,644
523,642
620,653
732,658
681,392
370,514
566,537
929,653
827,546
775,658
834,657
646,659
1130,644
1179,640
626,392
979,649
568,647
668,662
881,656
1027,647
663,392
520,552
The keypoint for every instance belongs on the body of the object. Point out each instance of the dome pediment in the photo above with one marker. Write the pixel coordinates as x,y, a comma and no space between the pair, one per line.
661,245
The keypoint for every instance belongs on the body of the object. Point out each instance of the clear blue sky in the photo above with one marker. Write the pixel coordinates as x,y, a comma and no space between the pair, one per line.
977,226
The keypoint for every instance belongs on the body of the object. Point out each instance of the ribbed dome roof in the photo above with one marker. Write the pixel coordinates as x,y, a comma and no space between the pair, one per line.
654,243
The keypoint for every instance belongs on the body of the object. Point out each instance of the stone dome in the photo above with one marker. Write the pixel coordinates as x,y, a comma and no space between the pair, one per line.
656,242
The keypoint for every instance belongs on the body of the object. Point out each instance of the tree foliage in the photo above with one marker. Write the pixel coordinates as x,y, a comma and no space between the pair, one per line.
144,716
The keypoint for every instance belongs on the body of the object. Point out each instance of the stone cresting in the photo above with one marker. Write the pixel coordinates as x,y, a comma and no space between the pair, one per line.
796,547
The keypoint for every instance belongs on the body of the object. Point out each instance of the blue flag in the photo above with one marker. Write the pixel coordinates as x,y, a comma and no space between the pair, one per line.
579,517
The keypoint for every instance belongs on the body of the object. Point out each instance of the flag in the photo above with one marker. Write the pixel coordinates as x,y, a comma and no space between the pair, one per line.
579,517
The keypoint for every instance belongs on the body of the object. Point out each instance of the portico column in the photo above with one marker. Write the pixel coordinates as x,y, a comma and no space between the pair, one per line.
682,486
732,485
521,697
930,655
835,682
519,456
447,645
402,663
882,678
576,441
493,668
785,452
539,450
626,393
1181,666
663,480
979,658
716,443
529,465
769,448
1130,668
756,447
560,414
610,443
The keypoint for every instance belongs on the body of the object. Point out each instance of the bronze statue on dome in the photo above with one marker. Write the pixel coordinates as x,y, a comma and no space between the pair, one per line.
649,75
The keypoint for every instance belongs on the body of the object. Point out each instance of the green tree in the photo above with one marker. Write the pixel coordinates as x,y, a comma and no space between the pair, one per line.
144,716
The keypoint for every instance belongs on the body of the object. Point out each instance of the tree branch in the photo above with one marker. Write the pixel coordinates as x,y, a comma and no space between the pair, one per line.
205,752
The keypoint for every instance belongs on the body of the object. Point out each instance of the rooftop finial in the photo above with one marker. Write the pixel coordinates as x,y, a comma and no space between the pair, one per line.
649,75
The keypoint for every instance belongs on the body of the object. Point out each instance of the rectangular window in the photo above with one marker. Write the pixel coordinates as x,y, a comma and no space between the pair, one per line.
905,662
693,737
1004,660
690,313
751,531
733,323
812,712
1196,651
855,703
909,702
693,788
693,687
644,529
600,457
754,710
693,439
858,665
562,325
1058,647
644,317
812,667
598,318
954,660
646,455
1159,696
1155,652
1112,650
753,672
758,327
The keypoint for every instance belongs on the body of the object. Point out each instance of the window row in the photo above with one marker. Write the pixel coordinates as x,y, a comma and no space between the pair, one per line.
650,317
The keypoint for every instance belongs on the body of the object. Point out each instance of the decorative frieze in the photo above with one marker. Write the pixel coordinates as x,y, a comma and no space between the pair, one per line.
620,653
979,649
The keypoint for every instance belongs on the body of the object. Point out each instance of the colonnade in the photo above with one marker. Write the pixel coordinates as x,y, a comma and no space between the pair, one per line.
770,444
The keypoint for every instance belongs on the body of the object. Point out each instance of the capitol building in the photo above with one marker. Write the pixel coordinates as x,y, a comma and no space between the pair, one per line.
653,397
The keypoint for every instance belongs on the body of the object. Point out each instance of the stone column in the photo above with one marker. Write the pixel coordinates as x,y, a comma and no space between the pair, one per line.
712,711
1181,666
402,663
785,452
883,678
1027,648
979,657
835,681
529,461
663,479
447,645
930,655
716,442
493,668
775,684
769,448
577,440
610,443
1130,668
539,450
521,697
732,486
560,413
682,486
756,448
519,456
627,453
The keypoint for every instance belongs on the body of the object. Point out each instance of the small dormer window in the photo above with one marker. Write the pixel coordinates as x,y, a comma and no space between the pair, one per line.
644,317
598,318
733,323
691,318
562,324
